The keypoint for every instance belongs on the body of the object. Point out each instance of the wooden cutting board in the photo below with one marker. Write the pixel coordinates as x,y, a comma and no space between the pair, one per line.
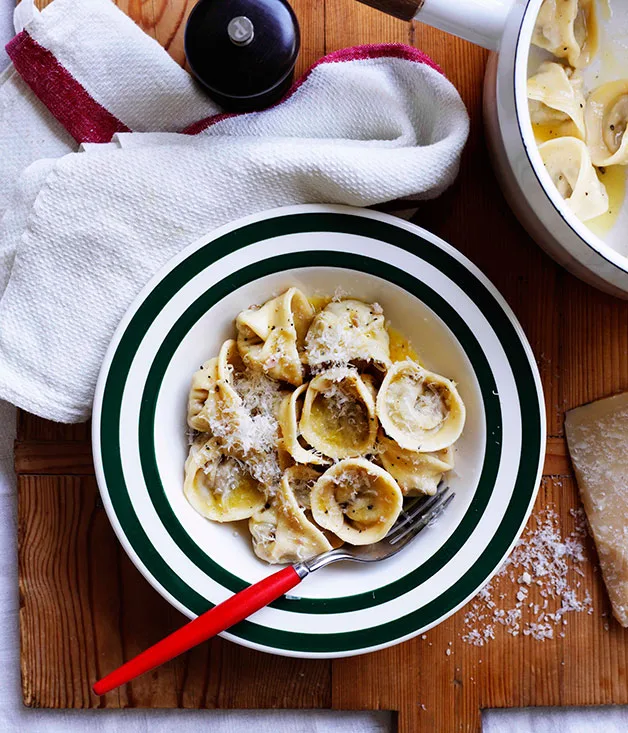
84,609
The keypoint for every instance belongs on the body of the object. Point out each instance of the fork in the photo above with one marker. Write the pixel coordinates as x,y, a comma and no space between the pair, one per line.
414,518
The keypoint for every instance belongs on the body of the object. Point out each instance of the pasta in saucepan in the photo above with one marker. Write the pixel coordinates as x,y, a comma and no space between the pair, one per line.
568,163
567,29
580,131
606,121
555,98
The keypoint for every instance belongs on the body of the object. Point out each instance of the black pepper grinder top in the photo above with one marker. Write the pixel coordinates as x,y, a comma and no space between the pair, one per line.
243,51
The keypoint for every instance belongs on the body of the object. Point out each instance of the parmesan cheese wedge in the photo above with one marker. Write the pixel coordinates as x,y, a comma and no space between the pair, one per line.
597,435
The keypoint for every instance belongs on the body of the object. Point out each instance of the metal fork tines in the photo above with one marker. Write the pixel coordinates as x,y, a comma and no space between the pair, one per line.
420,515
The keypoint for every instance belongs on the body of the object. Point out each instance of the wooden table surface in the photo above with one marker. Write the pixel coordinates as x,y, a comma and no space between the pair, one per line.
85,608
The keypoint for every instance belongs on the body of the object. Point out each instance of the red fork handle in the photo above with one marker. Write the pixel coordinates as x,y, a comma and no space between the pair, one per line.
209,624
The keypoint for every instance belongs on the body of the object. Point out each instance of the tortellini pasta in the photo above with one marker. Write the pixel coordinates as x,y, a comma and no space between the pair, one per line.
242,433
214,405
606,120
357,501
555,97
290,414
282,532
203,383
222,407
217,486
419,410
295,445
300,480
338,417
229,362
348,331
567,29
568,163
270,338
416,473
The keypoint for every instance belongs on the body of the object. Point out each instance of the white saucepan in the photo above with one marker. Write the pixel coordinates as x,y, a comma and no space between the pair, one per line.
597,251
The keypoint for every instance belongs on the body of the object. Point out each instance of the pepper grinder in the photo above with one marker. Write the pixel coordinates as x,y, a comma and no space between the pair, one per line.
243,52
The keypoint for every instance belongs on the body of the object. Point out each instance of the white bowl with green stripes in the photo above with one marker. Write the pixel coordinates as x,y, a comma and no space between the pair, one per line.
456,321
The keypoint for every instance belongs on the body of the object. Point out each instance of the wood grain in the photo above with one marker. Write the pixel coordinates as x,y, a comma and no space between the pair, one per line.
84,608
53,458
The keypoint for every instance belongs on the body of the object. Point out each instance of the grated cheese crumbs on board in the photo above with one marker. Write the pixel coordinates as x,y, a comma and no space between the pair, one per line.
544,565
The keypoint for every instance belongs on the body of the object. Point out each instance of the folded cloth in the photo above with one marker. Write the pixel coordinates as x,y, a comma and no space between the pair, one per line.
83,70
84,232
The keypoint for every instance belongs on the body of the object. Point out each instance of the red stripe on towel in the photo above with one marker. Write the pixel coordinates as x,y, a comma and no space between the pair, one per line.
88,121
354,53
70,103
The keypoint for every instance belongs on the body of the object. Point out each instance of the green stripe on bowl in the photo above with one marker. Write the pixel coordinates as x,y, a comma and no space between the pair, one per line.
521,499
295,261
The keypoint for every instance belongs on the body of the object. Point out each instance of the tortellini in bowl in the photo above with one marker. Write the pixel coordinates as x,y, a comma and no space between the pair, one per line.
313,424
338,418
568,30
420,410
357,501
218,486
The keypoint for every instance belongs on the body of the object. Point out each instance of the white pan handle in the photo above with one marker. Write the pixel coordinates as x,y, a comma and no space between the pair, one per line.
479,21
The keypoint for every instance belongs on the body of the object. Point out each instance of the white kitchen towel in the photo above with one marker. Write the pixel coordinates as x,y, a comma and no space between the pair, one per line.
87,61
84,232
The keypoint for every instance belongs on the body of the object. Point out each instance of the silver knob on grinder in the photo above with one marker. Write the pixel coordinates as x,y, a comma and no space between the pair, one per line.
240,30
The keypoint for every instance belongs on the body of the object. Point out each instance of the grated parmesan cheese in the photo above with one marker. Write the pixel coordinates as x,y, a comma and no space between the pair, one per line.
251,428
543,563
260,394
347,331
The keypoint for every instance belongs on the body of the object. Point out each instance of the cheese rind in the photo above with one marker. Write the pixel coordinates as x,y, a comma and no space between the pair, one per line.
597,436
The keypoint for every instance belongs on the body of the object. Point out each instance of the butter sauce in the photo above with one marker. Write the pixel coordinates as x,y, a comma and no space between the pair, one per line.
614,179
400,347
543,133
318,302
